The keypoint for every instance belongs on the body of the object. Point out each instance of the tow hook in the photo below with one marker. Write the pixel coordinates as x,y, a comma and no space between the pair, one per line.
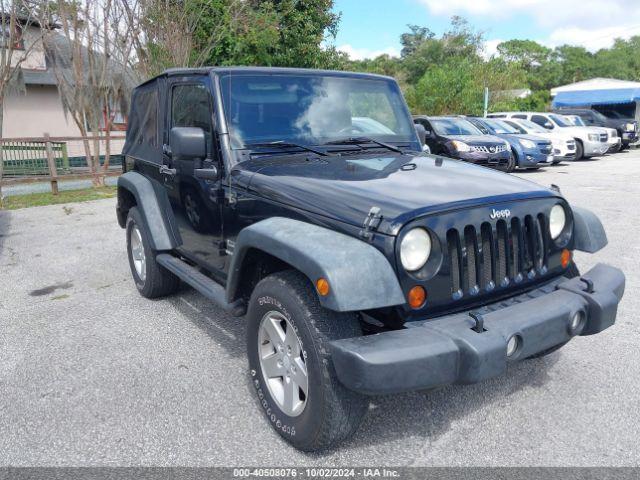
479,326
589,284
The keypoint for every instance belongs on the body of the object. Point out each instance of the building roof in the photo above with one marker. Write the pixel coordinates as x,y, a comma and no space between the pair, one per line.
38,77
595,84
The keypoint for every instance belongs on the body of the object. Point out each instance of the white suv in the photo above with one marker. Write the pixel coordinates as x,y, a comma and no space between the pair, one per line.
590,141
615,142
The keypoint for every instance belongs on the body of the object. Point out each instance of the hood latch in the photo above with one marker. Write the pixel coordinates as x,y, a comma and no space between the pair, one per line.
371,223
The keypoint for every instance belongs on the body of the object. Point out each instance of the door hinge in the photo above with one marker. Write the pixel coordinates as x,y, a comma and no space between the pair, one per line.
225,247
231,199
371,223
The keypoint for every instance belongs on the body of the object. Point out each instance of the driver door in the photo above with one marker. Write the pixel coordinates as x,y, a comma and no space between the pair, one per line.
194,201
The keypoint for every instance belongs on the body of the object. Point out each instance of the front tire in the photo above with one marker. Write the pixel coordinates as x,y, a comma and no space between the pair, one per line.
151,279
579,150
512,163
290,365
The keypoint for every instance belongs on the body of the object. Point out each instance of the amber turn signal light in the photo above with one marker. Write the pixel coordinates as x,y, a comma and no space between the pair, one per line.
416,297
322,285
565,258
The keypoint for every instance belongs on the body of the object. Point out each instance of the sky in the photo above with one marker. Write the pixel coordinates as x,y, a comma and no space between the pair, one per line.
372,27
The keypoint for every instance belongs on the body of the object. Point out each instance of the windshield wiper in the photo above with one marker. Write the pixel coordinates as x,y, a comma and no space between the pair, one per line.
359,140
281,144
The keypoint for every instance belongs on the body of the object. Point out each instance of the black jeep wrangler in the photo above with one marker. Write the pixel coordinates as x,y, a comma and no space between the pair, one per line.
302,199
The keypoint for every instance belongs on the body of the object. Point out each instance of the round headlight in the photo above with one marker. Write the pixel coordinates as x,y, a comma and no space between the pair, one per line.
415,249
557,221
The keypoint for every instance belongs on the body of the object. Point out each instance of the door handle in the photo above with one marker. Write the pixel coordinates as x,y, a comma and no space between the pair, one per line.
164,170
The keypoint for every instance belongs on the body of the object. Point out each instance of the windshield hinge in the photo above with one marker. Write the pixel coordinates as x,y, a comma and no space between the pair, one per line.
371,223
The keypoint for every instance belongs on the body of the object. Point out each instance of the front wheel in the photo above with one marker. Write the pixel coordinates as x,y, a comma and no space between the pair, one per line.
290,364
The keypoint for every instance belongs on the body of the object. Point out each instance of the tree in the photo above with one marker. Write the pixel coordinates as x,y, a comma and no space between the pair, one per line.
88,62
527,53
457,86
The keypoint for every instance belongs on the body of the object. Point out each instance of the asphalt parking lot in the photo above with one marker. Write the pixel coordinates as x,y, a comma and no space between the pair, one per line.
93,374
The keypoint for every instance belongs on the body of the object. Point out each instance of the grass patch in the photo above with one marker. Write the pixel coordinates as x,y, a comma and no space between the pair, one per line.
15,202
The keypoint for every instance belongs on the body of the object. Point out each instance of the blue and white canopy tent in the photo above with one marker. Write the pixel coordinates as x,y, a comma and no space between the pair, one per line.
598,92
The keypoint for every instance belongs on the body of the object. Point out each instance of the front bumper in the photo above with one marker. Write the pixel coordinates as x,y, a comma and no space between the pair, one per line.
485,159
534,157
448,350
615,144
592,149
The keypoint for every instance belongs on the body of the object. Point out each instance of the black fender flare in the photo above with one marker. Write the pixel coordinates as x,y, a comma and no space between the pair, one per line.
360,276
588,233
153,203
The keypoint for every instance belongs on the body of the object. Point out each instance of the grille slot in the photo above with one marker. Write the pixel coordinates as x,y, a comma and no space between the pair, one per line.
497,254
470,259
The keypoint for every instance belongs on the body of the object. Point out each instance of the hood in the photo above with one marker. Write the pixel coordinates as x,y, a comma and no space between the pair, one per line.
403,186
582,130
514,137
475,139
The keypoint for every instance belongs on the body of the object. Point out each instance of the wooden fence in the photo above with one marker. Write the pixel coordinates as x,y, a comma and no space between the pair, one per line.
53,159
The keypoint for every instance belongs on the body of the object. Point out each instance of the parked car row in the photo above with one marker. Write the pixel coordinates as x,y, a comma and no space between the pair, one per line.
528,140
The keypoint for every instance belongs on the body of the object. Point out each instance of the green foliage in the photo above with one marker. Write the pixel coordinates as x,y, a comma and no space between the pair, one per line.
265,32
457,86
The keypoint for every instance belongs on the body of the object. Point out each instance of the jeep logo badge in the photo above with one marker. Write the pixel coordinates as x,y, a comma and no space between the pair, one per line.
506,213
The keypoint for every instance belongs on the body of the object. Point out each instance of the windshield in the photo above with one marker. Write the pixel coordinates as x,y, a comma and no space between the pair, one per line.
499,126
560,121
531,127
453,126
575,120
313,109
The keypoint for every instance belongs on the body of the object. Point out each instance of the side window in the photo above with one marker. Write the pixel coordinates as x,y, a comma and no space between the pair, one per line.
540,120
519,115
190,107
147,109
588,118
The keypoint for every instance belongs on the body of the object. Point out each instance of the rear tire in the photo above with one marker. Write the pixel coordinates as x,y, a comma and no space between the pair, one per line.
327,413
571,272
151,279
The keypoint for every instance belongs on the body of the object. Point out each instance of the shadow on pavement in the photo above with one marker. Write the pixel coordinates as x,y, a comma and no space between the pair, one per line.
427,414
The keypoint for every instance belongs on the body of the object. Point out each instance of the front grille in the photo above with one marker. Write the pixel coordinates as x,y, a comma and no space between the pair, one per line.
545,148
604,137
484,149
497,254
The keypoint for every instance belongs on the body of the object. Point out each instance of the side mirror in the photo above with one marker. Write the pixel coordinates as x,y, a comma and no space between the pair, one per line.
548,125
422,133
187,142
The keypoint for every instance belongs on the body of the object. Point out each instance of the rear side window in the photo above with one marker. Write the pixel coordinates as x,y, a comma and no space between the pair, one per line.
519,115
142,140
190,107
146,104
